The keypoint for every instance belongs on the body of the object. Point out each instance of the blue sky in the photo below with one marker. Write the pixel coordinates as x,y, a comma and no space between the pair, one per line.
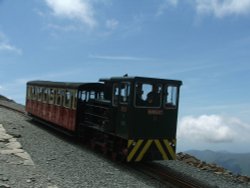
204,43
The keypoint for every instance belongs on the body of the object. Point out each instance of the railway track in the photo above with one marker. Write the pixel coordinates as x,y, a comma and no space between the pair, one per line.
157,171
169,176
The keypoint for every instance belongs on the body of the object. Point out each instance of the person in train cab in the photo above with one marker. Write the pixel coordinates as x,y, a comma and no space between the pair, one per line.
139,93
153,97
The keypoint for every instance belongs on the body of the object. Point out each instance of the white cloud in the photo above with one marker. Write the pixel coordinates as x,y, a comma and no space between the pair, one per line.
221,8
10,48
112,24
213,129
163,6
73,9
6,46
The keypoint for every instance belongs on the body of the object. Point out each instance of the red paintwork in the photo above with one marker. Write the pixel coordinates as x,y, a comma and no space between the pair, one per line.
61,116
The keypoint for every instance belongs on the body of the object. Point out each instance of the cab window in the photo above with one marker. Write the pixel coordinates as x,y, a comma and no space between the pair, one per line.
115,94
170,96
148,95
125,93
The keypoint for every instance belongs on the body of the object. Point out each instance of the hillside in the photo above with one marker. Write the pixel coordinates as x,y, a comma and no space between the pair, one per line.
3,98
238,163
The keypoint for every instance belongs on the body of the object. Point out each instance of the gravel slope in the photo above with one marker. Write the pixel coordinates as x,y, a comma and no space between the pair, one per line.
59,162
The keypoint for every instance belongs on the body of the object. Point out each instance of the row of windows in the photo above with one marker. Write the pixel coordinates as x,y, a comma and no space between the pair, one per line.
60,97
146,95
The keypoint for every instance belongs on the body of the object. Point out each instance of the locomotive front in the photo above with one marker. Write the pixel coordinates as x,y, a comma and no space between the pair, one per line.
145,111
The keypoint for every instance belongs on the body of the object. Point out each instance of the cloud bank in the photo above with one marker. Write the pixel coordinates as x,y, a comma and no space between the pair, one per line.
218,8
221,8
80,10
213,129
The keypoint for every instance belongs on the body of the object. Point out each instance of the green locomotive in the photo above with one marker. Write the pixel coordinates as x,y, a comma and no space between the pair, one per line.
131,118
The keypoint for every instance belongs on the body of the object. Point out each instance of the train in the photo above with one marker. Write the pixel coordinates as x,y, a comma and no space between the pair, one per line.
132,118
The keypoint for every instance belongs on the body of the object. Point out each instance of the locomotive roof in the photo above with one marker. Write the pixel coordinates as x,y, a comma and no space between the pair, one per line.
69,85
141,79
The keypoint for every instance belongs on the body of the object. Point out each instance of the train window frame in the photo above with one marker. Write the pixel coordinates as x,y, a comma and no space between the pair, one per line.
67,99
33,93
170,97
58,101
45,95
40,94
144,102
83,96
74,99
115,95
51,96
29,92
92,94
124,99
36,95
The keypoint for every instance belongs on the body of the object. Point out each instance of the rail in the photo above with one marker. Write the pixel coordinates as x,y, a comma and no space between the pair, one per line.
167,175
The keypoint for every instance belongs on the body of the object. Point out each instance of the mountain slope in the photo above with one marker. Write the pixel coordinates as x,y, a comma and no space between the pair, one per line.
238,163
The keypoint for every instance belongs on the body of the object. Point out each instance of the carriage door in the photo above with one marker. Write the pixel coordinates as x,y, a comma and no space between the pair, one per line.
123,108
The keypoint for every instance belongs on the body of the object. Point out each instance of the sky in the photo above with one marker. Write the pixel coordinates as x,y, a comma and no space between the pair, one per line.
204,43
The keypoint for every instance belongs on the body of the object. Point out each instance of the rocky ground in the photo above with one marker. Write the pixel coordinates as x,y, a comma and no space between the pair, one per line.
191,160
32,156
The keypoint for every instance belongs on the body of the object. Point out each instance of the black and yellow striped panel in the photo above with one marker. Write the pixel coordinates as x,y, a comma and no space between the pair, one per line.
138,148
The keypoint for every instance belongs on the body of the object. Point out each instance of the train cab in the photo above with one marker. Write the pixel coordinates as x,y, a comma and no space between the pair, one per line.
145,112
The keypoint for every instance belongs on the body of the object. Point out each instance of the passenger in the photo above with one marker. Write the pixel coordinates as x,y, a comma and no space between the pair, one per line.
153,97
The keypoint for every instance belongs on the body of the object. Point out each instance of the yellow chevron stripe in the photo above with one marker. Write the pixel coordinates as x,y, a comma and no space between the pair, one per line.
132,153
170,149
160,148
145,148
130,142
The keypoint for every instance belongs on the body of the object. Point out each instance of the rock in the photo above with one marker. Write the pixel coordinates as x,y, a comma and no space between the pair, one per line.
3,185
211,167
28,180
15,135
14,145
218,173
4,179
11,151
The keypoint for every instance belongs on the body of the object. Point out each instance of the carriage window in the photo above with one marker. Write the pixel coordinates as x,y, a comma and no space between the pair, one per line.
29,92
148,95
59,95
82,95
92,95
101,95
45,95
40,93
67,97
170,94
73,99
115,94
34,94
125,92
51,96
